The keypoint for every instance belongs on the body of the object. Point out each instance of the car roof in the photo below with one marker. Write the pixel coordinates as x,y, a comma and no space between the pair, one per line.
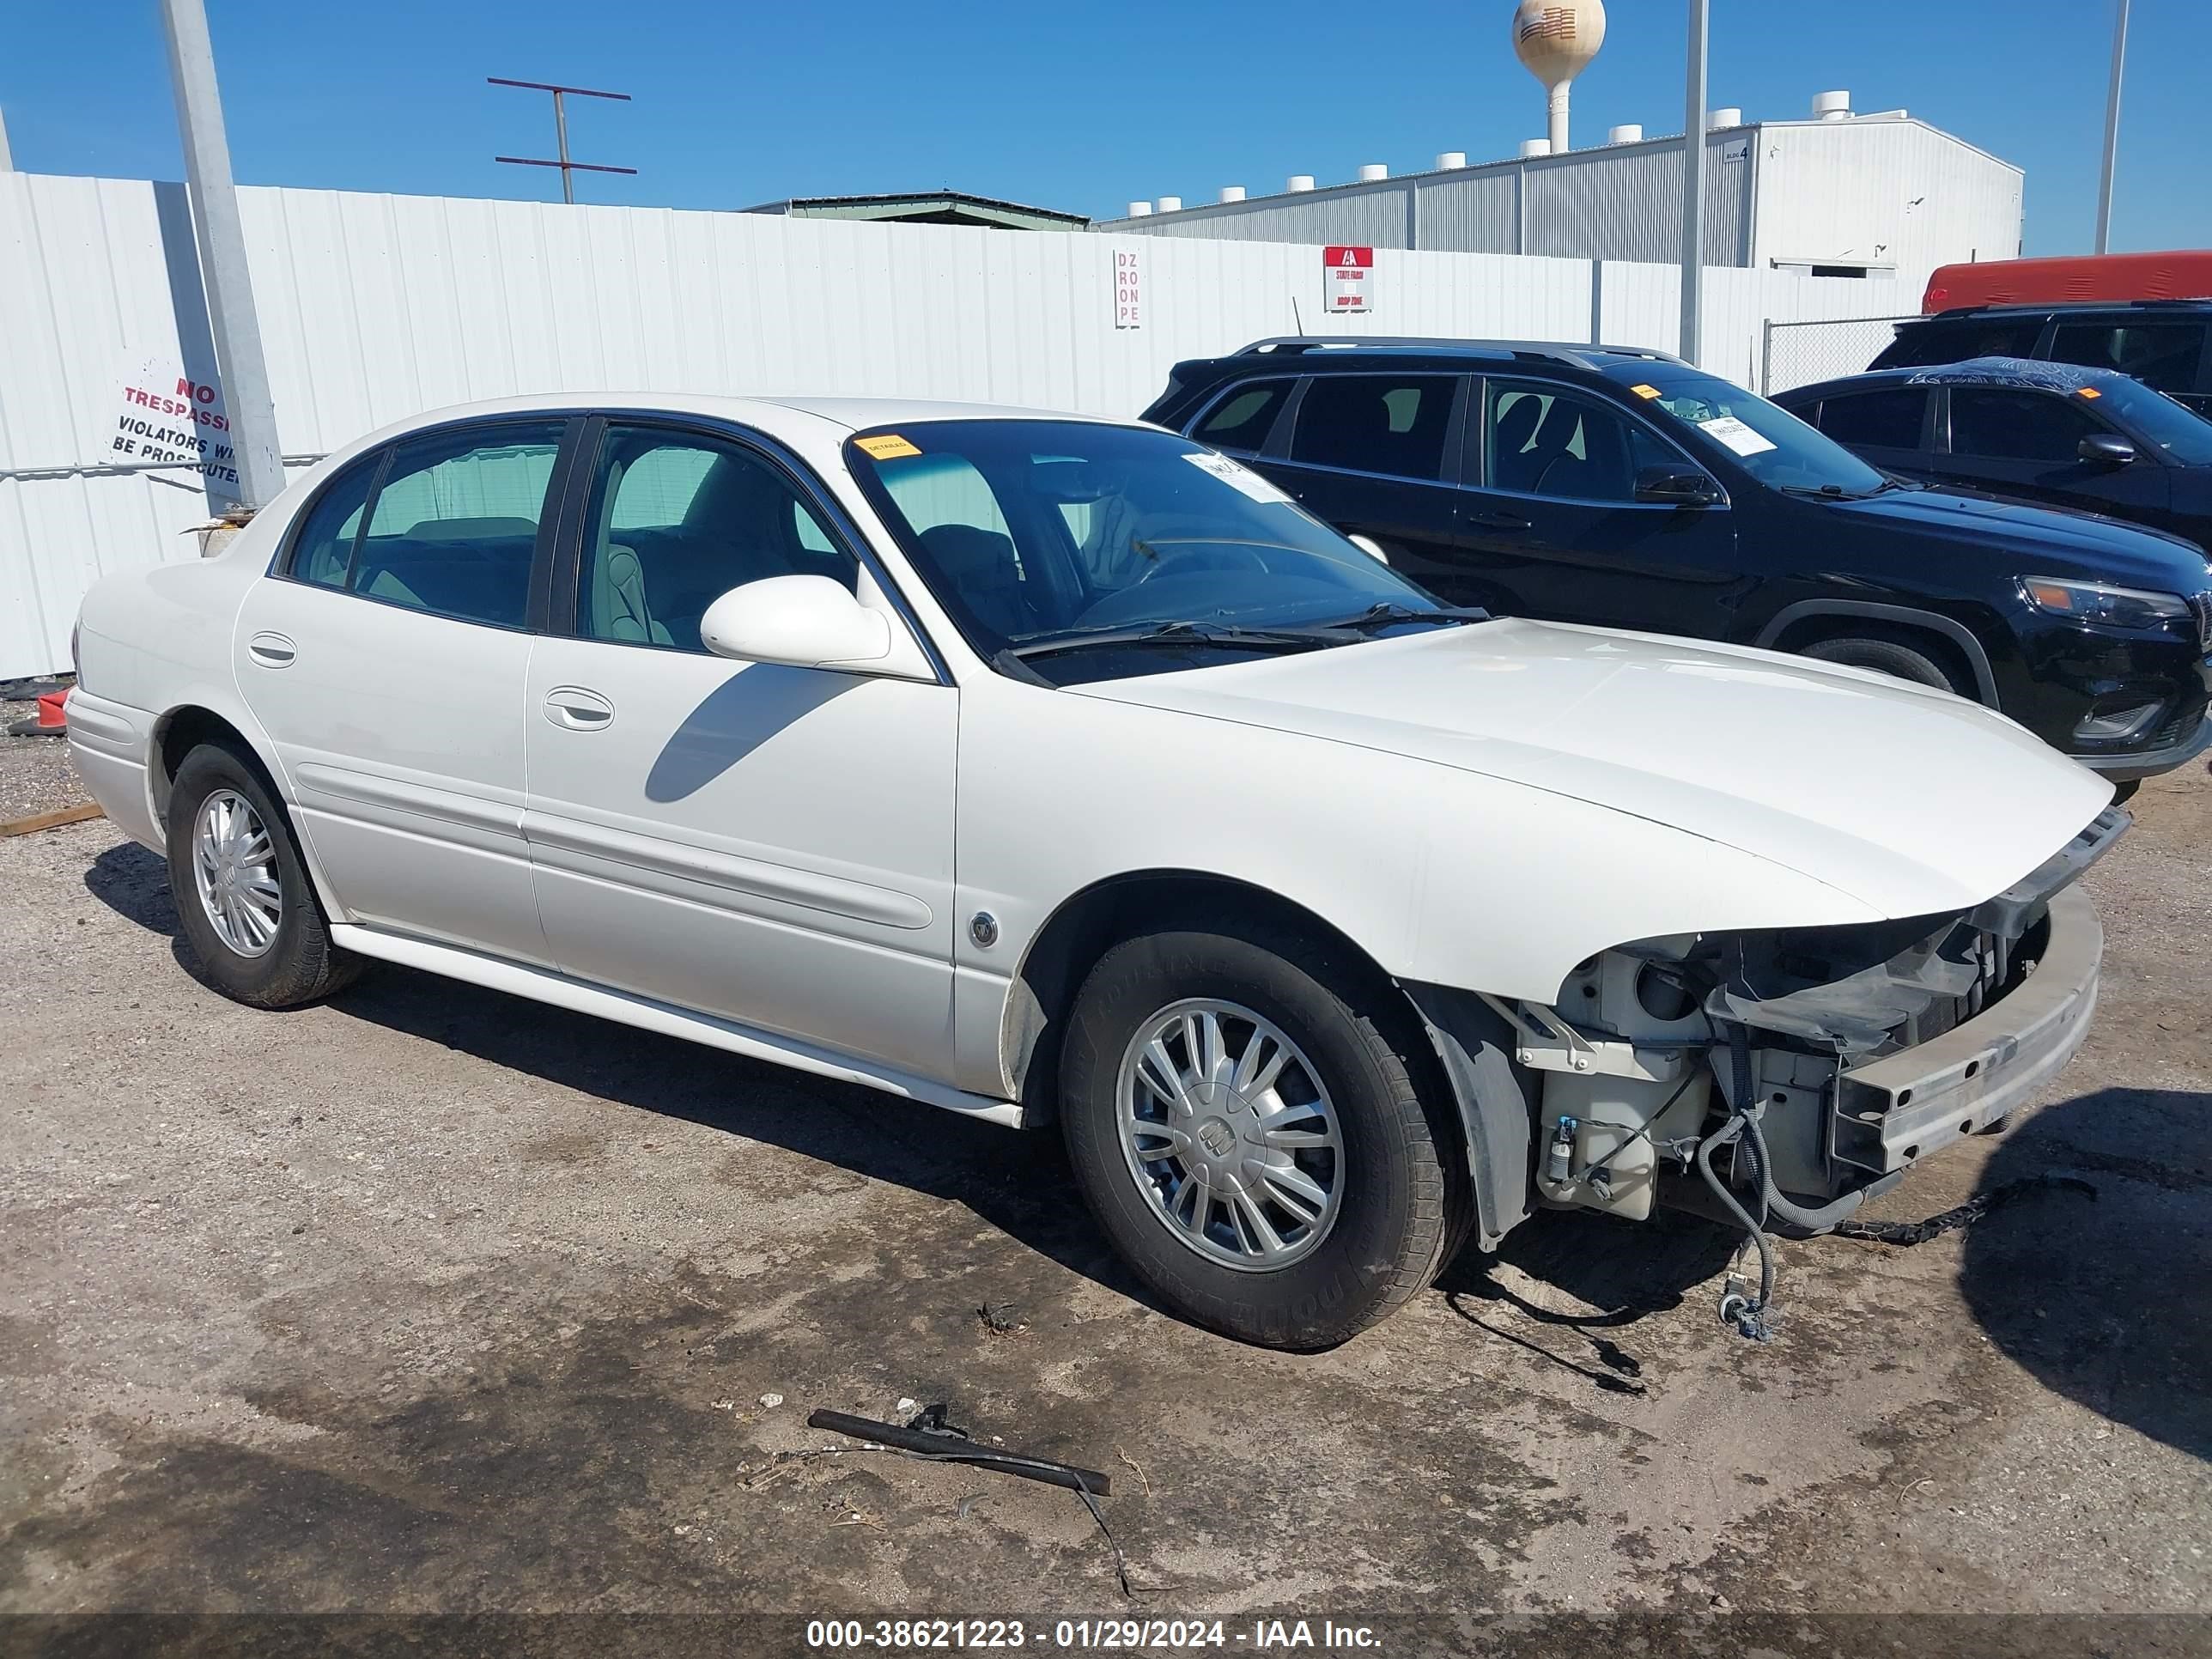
1315,350
2024,373
2067,307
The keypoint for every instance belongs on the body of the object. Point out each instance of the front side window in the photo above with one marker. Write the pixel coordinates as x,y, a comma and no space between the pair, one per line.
1393,425
453,527
1031,532
2001,423
1243,419
677,521
1890,419
2164,355
1541,441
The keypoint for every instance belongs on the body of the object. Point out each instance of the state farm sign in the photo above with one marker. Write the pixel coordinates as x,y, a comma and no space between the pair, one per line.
1345,279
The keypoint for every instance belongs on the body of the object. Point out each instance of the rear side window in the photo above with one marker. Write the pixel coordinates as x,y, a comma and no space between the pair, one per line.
1393,425
1890,419
2164,355
323,552
453,527
1243,419
2002,424
1955,339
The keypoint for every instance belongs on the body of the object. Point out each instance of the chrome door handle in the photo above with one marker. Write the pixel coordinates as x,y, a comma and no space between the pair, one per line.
272,650
577,710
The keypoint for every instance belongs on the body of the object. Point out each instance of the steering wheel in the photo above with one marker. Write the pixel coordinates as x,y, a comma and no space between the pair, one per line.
1217,557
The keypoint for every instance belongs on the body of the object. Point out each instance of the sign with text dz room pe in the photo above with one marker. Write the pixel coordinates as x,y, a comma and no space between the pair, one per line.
1346,279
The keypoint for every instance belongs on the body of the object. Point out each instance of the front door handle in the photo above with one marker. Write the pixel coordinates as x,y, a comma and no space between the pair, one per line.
1497,520
578,709
272,650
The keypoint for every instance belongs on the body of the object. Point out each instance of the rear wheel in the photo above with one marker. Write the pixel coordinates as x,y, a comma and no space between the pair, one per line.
1886,656
1243,1120
244,902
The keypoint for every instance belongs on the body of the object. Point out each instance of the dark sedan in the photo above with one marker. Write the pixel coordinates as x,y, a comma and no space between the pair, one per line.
2084,438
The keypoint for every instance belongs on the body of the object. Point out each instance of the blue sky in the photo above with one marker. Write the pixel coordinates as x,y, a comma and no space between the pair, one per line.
1077,105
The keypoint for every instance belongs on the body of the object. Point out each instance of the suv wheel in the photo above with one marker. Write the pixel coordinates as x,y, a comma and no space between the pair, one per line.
1243,1121
1890,657
244,902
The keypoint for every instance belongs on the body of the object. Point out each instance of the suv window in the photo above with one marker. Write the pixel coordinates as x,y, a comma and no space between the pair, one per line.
2164,355
1244,417
1892,418
1955,339
1543,442
676,521
453,525
2004,424
1391,424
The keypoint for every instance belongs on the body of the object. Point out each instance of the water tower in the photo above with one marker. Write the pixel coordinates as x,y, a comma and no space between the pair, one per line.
1555,41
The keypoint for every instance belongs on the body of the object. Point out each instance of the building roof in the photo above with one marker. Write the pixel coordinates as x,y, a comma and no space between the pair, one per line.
936,207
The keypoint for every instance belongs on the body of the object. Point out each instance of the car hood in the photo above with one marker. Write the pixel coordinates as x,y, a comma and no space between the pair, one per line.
1910,800
2070,543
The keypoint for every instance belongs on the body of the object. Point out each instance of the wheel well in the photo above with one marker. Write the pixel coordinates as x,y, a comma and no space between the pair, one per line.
183,730
1100,917
1939,648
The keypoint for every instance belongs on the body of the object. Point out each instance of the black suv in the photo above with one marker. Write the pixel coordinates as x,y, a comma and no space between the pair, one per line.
2162,342
1624,488
2083,438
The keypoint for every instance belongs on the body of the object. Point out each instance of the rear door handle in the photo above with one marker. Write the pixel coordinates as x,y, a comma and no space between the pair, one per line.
578,709
272,650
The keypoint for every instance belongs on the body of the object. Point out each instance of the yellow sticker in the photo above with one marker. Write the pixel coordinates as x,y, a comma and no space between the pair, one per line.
2087,392
1645,391
886,446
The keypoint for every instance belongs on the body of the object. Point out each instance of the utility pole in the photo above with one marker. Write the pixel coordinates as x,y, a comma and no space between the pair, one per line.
1693,185
560,133
7,161
2111,131
221,244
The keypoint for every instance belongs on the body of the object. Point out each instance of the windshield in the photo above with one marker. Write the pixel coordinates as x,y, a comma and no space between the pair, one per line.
2179,432
1767,442
1033,532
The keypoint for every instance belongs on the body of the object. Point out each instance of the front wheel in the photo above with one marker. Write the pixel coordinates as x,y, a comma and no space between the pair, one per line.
1243,1120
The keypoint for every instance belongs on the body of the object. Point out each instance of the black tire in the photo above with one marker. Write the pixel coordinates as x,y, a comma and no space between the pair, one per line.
1405,1200
2124,792
1891,656
300,964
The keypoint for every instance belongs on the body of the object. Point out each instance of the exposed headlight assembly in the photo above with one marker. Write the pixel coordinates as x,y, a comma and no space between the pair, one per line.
2100,603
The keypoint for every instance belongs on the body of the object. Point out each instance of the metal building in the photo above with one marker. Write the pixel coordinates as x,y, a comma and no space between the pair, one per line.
1879,195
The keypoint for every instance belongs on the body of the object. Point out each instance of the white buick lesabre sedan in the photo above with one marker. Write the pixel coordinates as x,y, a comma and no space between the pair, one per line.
1034,766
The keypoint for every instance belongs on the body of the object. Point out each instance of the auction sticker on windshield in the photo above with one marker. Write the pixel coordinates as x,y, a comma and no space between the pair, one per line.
1735,434
1237,477
886,446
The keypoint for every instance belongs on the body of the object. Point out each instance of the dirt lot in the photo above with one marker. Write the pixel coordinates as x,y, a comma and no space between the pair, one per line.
429,1299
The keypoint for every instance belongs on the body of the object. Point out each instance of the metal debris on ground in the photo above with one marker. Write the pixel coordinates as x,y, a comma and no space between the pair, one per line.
1982,1204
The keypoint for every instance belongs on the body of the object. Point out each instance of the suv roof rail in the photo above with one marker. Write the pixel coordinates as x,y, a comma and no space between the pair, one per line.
2038,307
1561,351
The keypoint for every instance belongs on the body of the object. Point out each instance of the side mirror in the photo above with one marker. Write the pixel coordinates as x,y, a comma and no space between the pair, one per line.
2107,449
1672,486
802,622
1371,547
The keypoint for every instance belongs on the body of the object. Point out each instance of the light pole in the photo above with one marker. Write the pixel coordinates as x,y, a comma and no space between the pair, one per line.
2111,130
1694,184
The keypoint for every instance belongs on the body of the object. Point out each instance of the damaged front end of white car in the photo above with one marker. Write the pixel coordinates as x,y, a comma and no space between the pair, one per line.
1778,1078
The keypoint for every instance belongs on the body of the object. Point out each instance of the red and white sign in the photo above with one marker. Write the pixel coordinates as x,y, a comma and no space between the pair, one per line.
1344,282
1128,288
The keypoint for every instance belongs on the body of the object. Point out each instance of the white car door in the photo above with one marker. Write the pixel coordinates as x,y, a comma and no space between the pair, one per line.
769,844
387,658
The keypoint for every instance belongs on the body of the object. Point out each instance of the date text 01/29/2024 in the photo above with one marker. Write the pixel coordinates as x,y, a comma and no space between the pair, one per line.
1261,1636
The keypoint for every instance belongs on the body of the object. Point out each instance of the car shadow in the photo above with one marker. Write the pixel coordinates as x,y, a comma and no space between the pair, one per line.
1018,1183
2103,1299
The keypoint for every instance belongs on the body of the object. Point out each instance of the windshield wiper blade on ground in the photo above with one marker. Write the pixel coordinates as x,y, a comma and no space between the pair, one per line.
1182,633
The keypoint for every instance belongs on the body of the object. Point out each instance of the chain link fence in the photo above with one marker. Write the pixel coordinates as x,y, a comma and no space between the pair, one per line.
1798,354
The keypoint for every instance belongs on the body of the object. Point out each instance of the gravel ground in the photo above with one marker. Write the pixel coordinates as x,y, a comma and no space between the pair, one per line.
35,775
429,1299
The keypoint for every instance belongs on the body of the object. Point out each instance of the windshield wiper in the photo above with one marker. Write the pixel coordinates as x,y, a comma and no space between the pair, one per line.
1180,634
1388,612
1829,492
